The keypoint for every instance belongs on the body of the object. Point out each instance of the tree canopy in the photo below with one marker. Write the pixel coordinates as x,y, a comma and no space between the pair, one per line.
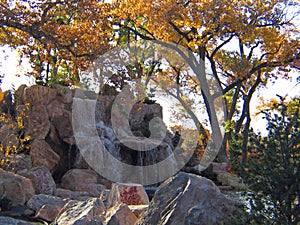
241,43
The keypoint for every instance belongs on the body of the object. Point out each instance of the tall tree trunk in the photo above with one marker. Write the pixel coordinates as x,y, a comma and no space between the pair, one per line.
245,139
210,107
227,136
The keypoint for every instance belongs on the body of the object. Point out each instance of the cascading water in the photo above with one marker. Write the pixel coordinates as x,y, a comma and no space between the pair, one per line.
108,138
99,145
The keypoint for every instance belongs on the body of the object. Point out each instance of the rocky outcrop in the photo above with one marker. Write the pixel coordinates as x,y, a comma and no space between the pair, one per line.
15,188
187,199
49,124
57,185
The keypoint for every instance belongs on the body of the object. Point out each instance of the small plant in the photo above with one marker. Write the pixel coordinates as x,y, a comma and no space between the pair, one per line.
12,139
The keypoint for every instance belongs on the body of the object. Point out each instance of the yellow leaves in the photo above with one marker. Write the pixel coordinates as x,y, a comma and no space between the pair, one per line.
20,122
13,139
266,104
1,95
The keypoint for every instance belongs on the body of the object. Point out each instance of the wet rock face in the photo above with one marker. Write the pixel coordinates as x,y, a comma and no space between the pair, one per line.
140,116
187,199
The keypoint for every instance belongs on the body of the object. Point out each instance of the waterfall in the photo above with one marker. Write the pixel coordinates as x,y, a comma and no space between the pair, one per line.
101,149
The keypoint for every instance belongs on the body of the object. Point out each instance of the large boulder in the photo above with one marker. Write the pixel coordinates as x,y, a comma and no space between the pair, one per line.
39,95
140,116
38,124
43,155
187,199
120,215
75,195
17,189
61,118
232,180
64,94
82,180
41,179
129,194
91,211
37,201
47,207
11,221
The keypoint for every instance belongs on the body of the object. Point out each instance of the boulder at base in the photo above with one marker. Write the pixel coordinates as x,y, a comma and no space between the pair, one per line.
120,215
11,221
15,188
91,211
187,199
41,179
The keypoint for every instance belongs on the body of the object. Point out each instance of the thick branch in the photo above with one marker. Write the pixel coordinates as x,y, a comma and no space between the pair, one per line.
246,105
221,45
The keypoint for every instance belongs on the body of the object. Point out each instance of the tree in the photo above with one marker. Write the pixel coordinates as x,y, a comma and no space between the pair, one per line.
261,44
56,35
243,42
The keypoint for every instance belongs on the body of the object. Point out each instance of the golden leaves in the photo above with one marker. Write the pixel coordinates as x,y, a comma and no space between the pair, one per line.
1,95
76,32
13,137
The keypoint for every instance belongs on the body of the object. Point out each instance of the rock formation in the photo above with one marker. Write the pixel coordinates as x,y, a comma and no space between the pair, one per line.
53,183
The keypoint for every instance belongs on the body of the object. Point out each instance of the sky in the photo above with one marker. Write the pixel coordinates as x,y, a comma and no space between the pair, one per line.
12,71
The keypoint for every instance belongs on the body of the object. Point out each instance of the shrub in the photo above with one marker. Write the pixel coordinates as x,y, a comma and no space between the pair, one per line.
272,169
